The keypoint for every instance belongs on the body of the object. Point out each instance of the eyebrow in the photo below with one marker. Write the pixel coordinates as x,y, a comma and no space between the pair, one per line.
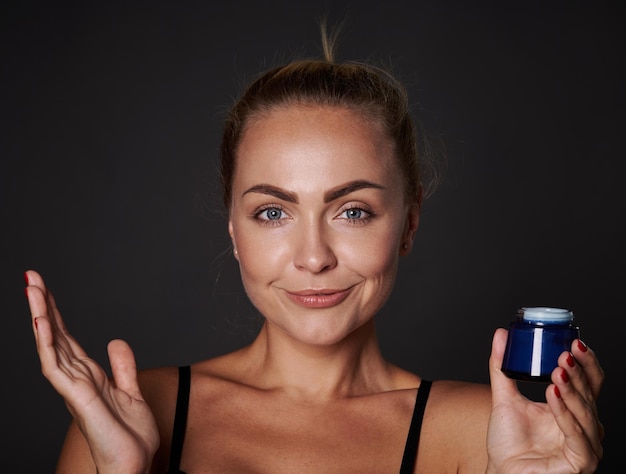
329,196
350,187
272,191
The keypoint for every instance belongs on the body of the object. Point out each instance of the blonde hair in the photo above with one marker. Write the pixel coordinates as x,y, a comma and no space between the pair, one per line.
363,88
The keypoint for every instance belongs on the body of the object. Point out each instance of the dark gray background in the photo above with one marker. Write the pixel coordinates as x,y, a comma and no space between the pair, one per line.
111,118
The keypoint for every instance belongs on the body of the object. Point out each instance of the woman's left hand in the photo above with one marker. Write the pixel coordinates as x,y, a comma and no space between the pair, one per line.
563,435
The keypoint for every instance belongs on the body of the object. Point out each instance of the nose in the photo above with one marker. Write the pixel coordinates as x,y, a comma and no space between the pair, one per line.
313,250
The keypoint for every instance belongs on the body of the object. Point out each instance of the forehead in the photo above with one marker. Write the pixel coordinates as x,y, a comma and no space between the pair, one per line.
310,142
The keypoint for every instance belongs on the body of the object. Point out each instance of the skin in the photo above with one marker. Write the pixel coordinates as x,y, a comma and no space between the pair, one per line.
318,222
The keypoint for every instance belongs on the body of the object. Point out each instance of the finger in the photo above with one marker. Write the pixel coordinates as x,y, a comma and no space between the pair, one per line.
577,378
44,339
56,348
35,279
574,415
76,348
42,305
583,405
587,376
503,388
65,372
38,309
54,310
588,361
52,350
124,367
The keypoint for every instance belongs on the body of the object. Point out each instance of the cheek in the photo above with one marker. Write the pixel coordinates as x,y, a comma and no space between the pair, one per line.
262,261
374,253
261,256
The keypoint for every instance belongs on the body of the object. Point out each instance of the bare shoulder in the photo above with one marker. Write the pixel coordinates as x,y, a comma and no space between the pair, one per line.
159,387
453,394
462,403
459,410
455,425
75,455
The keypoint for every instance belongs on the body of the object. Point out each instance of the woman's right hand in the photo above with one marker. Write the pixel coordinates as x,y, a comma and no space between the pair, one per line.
111,413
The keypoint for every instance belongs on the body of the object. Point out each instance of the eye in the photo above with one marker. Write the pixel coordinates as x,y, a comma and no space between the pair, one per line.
355,215
270,214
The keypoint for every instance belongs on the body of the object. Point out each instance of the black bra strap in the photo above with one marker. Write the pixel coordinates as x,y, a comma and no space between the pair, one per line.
410,450
180,418
182,405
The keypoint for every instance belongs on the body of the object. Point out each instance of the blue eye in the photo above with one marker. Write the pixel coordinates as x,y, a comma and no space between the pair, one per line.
271,214
354,213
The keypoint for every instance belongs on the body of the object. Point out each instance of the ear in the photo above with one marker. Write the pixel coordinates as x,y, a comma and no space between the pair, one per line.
231,232
410,228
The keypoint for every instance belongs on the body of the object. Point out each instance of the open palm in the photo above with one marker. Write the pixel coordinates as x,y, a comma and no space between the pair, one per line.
111,413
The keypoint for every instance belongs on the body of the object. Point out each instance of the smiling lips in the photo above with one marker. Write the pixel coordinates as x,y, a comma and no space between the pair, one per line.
318,298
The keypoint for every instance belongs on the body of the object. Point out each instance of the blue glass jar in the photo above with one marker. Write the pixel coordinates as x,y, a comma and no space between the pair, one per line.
536,339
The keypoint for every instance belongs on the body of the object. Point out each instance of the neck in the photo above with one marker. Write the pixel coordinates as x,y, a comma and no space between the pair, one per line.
352,367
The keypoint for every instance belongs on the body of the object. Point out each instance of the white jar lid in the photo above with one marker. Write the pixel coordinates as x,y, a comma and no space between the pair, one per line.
547,315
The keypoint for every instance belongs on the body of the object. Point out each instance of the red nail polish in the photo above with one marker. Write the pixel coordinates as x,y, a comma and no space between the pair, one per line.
26,278
570,360
564,377
35,321
557,392
582,346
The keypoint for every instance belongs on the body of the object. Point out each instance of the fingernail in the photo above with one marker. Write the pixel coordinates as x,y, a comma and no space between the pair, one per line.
26,278
557,392
570,360
582,346
564,377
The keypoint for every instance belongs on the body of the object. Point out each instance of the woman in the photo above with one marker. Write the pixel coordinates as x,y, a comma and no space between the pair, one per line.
323,189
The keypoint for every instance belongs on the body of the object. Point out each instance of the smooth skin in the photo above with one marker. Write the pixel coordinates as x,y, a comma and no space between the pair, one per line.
318,222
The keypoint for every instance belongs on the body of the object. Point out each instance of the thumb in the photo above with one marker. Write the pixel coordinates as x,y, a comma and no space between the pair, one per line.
502,387
123,367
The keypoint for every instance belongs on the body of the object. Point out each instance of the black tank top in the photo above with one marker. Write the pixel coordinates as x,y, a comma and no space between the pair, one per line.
182,404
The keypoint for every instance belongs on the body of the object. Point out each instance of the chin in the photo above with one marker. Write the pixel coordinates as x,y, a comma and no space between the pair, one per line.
326,334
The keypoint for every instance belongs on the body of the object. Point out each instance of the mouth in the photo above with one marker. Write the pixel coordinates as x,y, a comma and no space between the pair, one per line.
318,298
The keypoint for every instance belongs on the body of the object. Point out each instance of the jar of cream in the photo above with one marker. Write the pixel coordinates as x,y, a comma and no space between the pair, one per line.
536,339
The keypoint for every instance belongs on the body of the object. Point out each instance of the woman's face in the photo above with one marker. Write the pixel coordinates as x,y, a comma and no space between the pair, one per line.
318,220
